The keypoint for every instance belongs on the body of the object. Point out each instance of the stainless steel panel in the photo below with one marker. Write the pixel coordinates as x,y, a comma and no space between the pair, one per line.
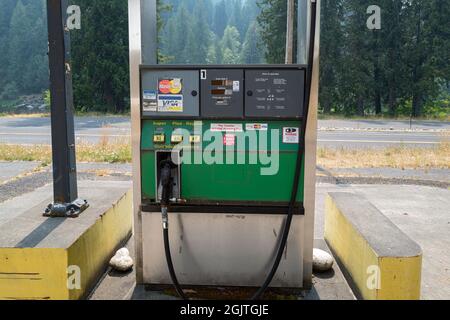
222,249
310,160
145,40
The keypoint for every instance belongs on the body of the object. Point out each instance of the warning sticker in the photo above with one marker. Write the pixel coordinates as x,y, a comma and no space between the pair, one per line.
291,135
229,139
256,127
226,127
170,103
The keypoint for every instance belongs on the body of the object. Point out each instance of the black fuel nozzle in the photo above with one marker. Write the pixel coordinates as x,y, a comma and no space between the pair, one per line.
166,181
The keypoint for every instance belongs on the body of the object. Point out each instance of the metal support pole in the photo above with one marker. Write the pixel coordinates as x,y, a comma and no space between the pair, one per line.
289,59
65,193
303,22
143,44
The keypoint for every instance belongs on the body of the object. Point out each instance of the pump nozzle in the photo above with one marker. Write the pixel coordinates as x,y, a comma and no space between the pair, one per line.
166,182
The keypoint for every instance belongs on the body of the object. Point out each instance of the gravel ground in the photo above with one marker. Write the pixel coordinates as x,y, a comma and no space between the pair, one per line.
9,170
378,177
31,182
103,171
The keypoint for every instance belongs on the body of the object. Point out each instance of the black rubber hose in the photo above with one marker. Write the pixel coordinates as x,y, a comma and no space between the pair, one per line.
167,183
172,273
298,168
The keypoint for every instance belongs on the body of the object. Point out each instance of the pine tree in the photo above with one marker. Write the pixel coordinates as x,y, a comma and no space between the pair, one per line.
331,40
252,52
100,56
272,21
231,45
220,18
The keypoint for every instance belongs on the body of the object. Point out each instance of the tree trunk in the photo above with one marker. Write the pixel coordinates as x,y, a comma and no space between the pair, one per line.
417,105
392,101
377,101
360,106
120,105
377,77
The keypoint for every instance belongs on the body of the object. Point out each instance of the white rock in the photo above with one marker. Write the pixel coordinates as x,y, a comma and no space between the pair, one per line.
123,253
322,260
122,260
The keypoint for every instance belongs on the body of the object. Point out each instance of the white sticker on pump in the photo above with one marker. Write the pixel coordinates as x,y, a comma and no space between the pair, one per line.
170,103
236,86
226,127
291,135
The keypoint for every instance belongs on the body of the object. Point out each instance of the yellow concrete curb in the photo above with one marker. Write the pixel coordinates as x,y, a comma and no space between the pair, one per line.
381,262
66,273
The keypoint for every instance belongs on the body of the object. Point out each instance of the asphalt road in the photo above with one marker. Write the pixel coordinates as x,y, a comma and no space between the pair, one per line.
332,133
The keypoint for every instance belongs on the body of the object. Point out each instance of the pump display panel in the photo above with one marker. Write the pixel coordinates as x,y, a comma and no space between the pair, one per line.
223,92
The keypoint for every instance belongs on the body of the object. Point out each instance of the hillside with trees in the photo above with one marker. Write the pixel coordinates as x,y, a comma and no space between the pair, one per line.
23,48
211,31
399,70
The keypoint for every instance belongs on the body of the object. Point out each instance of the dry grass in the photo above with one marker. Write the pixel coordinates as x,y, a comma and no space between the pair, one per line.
119,151
394,157
116,151
24,115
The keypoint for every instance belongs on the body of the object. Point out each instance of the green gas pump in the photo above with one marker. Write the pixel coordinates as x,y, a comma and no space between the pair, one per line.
220,154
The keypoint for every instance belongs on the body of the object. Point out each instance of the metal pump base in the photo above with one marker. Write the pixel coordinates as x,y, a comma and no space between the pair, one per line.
66,210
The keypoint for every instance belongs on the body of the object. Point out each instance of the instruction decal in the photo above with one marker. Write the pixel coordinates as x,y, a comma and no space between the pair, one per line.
150,101
226,127
291,135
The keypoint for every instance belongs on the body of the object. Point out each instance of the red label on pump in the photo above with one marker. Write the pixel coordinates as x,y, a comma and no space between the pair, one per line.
229,139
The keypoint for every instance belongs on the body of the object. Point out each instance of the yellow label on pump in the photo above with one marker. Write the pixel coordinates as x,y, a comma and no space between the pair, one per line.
159,138
176,138
194,139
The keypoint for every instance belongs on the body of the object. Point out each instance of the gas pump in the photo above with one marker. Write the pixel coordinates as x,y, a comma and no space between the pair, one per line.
226,154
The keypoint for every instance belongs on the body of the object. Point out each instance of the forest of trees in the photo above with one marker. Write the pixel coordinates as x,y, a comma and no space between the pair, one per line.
23,48
402,68
212,32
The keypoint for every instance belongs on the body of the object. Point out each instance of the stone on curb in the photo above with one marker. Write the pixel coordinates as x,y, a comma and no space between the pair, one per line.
122,260
322,260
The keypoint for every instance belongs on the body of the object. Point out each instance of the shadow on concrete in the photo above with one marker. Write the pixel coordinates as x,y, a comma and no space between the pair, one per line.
117,274
40,233
325,275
